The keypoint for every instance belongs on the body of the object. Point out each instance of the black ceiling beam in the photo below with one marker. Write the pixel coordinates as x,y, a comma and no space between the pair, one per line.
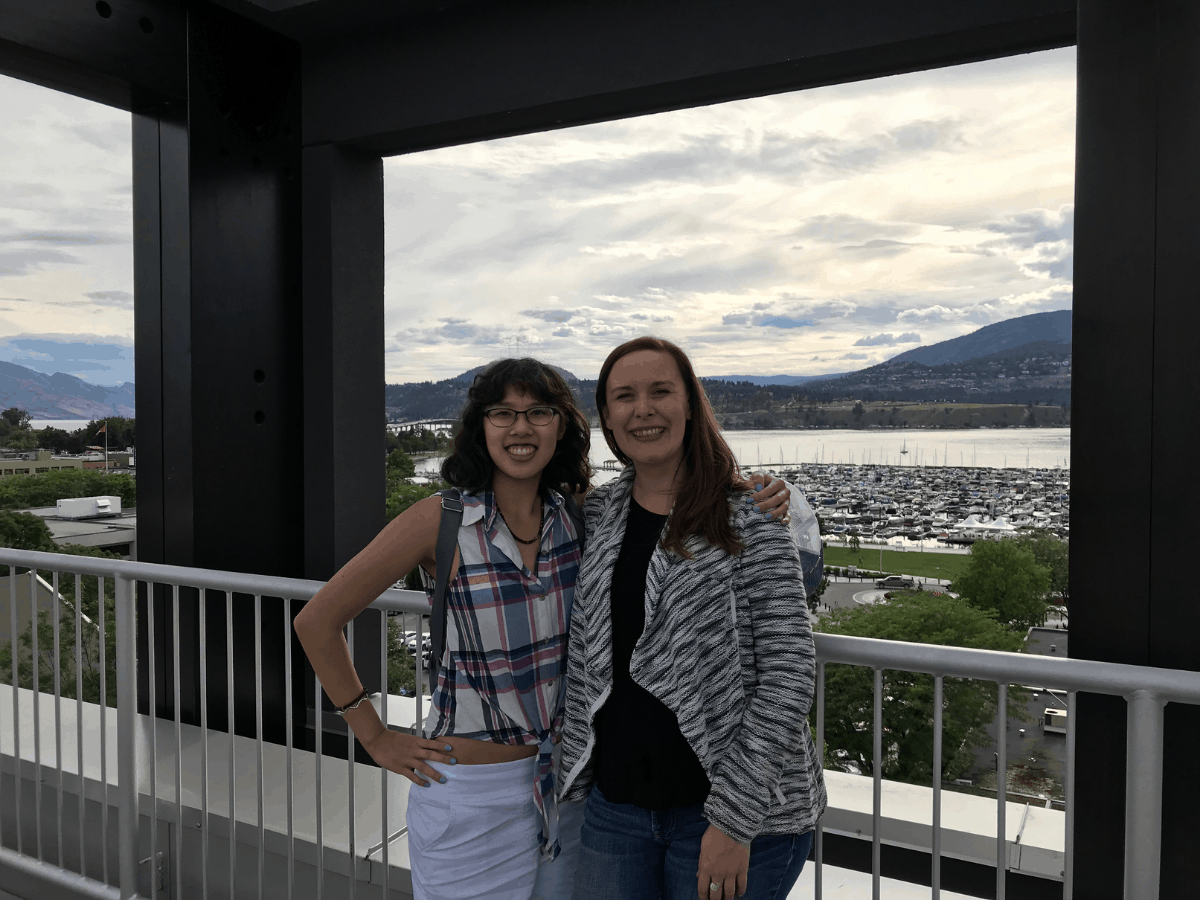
520,67
119,52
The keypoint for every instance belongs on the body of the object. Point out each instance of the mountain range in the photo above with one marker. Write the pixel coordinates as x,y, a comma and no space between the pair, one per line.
1022,360
62,396
1026,359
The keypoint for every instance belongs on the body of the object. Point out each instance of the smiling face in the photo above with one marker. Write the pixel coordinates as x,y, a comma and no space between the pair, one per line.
521,451
647,409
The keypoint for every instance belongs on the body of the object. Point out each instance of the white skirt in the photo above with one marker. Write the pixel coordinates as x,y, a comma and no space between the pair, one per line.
477,836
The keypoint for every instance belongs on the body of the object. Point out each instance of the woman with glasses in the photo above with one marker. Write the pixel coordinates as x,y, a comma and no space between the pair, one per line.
481,811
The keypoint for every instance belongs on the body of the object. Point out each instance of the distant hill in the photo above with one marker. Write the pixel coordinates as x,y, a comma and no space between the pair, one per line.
61,396
1022,360
1052,327
443,399
468,376
761,380
1036,372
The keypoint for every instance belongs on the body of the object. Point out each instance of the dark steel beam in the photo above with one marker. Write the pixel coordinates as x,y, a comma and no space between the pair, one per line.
520,67
343,355
119,52
1135,318
343,434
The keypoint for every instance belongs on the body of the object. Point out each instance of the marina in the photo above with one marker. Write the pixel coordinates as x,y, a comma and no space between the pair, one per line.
947,505
886,487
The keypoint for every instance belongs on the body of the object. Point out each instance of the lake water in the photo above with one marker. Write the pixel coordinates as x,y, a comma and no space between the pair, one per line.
63,424
1039,448
991,448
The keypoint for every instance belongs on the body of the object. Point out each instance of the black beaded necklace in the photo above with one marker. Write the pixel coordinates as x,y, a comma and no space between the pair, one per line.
541,522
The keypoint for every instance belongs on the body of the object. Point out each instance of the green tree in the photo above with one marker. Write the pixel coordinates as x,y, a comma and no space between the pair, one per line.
121,433
404,495
401,666
908,697
16,417
1005,577
57,441
814,599
855,543
84,659
24,531
1054,553
400,465
28,491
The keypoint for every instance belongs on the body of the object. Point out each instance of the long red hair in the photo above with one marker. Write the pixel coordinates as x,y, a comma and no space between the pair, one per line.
709,467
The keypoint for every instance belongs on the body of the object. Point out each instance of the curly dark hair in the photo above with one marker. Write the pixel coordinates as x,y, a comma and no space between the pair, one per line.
470,467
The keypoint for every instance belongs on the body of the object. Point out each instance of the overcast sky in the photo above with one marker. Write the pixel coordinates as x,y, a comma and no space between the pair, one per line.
813,232
66,224
820,231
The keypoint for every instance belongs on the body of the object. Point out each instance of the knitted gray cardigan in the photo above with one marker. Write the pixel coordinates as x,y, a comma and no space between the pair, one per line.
726,646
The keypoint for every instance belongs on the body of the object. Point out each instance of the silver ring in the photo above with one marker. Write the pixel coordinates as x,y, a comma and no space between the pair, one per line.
713,886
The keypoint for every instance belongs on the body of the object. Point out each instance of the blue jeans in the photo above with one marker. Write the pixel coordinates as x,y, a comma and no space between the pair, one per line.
633,853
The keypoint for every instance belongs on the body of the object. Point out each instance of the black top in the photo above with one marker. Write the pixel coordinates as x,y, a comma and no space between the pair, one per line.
641,756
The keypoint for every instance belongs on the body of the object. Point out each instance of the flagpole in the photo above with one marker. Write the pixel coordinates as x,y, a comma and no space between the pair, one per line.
106,446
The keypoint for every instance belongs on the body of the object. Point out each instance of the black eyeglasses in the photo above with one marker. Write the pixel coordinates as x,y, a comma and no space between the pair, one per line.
502,416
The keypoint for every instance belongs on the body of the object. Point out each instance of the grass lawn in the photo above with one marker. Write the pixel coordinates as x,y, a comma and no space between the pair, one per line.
899,562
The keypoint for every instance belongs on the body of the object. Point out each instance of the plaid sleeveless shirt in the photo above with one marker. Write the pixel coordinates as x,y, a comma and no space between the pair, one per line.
502,676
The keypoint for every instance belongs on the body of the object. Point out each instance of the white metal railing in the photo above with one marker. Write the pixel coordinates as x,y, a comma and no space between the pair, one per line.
1146,691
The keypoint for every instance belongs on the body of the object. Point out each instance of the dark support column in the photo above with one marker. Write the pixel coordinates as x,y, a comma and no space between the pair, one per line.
162,325
247,401
220,351
343,433
1174,626
1136,320
343,356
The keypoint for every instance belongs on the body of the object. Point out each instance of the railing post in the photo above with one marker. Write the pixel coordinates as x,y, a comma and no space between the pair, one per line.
1143,794
127,743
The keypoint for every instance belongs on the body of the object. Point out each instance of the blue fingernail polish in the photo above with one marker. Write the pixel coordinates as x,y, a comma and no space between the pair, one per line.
749,499
442,780
453,761
766,515
758,487
448,748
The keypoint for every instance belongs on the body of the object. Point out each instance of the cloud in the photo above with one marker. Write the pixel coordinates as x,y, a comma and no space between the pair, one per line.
881,247
838,228
112,298
866,216
932,314
457,330
59,237
786,322
549,315
888,340
73,354
22,262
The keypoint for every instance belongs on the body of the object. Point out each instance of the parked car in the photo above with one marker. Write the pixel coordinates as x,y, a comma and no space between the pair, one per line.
895,581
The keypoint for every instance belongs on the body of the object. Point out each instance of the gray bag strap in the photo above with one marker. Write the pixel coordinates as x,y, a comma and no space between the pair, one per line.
447,543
